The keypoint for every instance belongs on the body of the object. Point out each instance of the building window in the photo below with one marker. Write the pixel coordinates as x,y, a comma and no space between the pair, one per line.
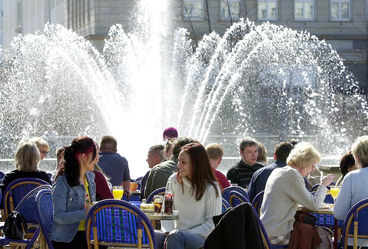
340,10
304,10
193,10
267,10
230,9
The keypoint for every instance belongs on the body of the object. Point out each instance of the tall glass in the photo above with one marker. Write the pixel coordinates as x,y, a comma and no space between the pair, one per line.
117,192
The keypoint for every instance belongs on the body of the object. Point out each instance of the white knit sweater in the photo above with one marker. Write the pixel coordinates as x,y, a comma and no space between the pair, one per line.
194,216
285,189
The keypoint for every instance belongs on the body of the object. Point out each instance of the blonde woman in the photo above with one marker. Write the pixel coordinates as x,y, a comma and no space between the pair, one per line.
262,154
354,188
42,146
285,190
26,161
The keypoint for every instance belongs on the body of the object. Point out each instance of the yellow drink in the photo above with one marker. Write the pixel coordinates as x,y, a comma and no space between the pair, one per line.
334,192
117,193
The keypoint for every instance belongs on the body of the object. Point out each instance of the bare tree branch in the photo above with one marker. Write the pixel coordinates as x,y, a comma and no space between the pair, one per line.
208,16
187,17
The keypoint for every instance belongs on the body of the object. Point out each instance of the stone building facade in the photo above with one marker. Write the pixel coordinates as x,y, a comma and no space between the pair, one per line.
342,23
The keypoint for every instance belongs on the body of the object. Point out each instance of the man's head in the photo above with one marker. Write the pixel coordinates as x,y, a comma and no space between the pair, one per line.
155,155
108,143
249,150
215,153
282,151
170,132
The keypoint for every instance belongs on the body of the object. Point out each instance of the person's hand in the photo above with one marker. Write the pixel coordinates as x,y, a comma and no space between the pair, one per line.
327,179
179,178
127,193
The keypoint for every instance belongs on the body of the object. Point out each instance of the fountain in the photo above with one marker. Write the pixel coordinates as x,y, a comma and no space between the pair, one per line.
264,80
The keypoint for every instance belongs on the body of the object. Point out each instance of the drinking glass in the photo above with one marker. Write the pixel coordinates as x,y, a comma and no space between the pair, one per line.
117,192
157,201
334,192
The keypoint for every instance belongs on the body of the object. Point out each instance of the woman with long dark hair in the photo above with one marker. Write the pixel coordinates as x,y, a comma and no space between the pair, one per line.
73,193
347,164
197,197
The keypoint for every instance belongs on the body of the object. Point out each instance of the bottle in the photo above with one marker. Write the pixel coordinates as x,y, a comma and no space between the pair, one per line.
169,199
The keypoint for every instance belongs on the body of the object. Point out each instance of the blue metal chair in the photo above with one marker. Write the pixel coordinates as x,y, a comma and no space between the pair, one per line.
27,207
159,191
1,175
138,181
264,235
49,175
355,224
16,190
236,198
226,192
118,223
257,202
225,205
44,213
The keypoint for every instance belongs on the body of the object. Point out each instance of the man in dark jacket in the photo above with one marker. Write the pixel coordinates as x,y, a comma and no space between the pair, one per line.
259,178
242,172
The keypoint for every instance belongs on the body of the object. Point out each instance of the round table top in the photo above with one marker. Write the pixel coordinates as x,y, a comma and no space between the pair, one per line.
154,216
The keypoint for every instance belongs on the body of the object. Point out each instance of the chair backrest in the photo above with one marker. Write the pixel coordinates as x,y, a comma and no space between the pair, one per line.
49,175
263,232
159,191
138,181
28,206
226,192
264,235
44,213
16,190
1,175
225,205
356,223
236,198
118,223
257,202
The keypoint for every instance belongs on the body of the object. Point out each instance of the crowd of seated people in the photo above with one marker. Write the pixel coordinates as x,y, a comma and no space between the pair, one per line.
86,171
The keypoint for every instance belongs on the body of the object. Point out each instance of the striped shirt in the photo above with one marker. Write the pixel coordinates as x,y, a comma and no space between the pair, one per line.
242,173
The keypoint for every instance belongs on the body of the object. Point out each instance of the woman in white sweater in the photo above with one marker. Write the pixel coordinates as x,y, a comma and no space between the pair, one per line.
285,189
197,196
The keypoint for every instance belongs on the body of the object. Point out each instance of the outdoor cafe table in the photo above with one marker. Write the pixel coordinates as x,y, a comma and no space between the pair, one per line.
324,217
155,217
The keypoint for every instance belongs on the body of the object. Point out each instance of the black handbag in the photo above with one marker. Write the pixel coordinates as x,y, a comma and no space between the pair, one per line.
15,226
305,217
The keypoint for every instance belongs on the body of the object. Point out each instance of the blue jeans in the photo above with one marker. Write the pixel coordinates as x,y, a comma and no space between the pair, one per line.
179,240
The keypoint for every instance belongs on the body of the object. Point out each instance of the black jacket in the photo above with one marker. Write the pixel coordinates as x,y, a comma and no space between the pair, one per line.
237,228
